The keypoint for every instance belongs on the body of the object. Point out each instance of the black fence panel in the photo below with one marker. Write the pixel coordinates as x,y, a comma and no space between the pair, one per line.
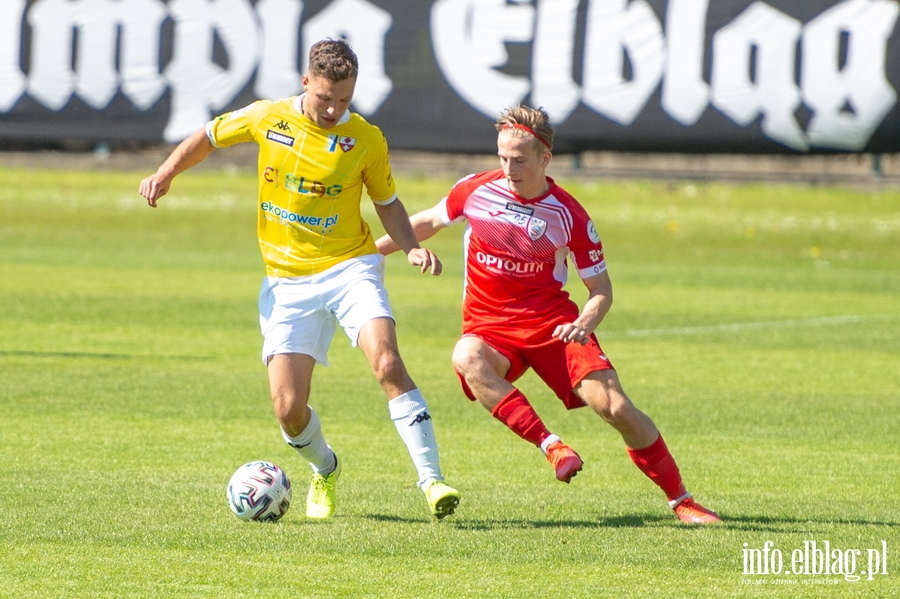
723,76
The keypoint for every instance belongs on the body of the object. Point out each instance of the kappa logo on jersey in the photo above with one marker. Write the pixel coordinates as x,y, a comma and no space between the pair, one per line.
536,228
283,125
280,138
347,143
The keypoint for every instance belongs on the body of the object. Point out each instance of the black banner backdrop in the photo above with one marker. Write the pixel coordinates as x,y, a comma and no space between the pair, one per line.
774,76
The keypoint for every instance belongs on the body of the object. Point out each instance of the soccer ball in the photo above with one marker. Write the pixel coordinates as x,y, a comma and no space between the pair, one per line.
259,491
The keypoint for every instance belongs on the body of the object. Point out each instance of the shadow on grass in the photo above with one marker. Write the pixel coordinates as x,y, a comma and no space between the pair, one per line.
635,521
744,522
793,524
90,355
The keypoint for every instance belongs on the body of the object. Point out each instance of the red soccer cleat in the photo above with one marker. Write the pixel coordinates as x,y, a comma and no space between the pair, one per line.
564,460
693,513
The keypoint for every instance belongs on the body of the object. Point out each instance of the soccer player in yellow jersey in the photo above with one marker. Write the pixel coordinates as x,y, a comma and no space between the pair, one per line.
322,266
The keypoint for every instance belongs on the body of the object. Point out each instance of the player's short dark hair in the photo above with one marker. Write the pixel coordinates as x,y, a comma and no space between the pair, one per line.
522,121
333,59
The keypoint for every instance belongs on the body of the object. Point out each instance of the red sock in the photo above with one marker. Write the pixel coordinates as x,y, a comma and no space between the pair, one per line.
658,464
516,413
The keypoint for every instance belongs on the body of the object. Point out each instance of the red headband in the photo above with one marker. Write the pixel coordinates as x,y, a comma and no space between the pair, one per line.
529,130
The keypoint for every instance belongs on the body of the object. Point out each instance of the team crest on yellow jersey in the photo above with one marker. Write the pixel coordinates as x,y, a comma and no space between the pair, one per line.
346,143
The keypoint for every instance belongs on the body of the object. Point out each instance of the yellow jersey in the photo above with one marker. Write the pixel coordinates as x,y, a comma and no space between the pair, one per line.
310,183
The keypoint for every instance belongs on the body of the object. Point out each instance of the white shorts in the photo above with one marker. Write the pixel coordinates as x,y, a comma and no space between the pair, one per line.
297,315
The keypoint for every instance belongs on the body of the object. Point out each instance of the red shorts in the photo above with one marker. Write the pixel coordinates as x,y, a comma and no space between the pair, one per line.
561,365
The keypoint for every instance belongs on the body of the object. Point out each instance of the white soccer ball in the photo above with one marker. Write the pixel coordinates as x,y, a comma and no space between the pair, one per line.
259,491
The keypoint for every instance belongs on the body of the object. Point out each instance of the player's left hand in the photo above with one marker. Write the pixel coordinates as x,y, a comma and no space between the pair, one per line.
571,333
425,259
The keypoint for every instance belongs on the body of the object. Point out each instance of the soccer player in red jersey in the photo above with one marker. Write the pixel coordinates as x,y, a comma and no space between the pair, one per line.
521,229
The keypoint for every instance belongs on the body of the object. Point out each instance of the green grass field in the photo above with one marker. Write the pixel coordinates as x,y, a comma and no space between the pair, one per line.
758,325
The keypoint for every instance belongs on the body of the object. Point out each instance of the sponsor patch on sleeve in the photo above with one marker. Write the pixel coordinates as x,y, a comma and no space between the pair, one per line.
592,232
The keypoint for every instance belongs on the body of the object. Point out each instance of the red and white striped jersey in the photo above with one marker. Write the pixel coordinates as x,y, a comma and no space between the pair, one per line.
516,250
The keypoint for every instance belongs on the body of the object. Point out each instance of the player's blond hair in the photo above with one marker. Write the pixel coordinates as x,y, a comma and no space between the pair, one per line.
333,59
524,121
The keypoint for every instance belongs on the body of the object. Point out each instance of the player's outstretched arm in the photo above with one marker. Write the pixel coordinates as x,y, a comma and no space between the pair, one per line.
595,308
404,233
424,225
191,151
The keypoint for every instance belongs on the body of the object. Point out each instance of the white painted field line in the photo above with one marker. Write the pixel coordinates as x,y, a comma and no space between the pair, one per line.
747,326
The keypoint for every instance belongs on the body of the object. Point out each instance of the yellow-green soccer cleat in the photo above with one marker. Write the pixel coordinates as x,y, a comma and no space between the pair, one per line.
321,499
442,498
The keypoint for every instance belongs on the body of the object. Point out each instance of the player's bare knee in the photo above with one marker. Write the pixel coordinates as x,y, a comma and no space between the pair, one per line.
389,369
617,414
614,408
628,420
465,360
291,412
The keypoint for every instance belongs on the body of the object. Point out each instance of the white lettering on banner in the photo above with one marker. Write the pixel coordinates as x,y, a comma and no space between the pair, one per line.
685,95
95,78
469,38
771,93
859,84
616,27
142,82
259,41
51,81
551,65
98,79
365,27
198,84
94,49
12,79
277,75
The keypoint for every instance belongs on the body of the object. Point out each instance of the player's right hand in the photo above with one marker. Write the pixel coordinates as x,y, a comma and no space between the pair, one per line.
154,187
572,333
425,259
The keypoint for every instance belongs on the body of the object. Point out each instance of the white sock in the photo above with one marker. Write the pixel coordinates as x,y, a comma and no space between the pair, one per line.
410,415
311,446
548,441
